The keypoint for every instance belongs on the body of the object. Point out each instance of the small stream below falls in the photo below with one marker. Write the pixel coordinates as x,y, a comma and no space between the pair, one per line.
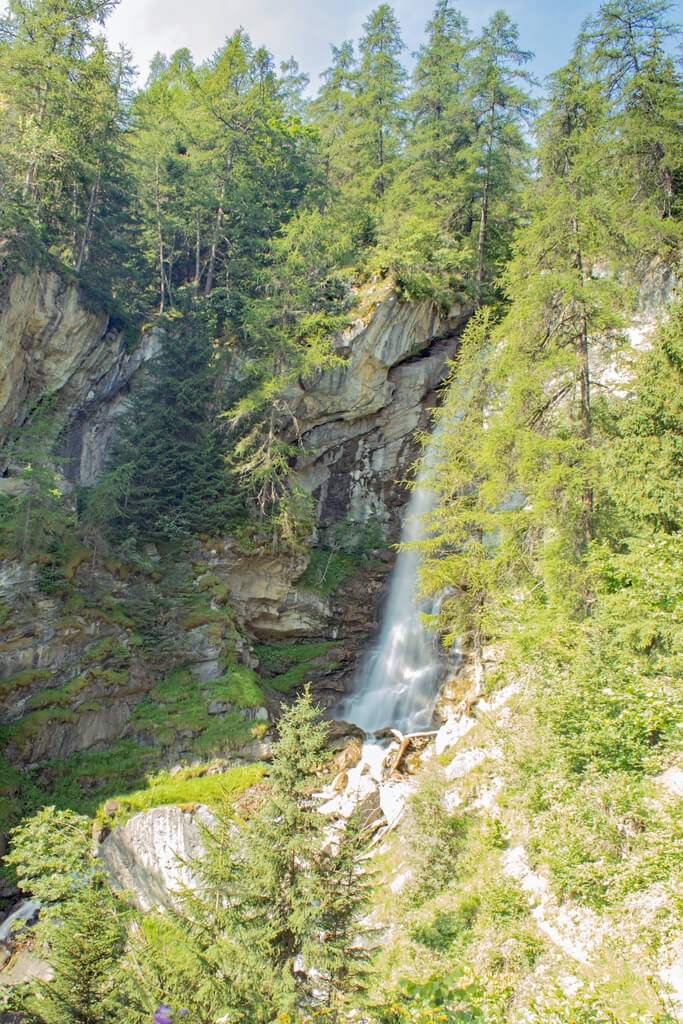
400,677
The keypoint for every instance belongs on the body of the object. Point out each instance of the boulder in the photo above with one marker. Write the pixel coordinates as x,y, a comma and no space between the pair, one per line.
150,855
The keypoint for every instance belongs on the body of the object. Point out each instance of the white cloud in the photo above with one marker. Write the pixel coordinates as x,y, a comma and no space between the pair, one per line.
300,28
305,29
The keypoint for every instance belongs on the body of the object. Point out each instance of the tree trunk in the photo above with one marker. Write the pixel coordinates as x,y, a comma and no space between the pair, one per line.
160,239
32,169
89,218
484,217
582,347
197,257
219,223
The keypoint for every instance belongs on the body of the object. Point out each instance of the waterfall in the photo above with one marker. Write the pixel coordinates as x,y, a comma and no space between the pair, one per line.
399,680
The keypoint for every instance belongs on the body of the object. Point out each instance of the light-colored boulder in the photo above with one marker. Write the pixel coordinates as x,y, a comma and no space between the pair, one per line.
151,855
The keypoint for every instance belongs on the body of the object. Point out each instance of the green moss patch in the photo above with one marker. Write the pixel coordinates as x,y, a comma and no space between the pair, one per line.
24,679
287,666
178,707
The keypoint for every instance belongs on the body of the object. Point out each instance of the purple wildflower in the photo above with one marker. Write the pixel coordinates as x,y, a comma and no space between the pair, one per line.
162,1015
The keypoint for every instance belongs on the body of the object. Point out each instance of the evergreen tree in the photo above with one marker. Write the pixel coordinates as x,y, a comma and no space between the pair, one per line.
625,50
473,551
221,164
331,112
62,123
496,155
292,86
85,947
288,329
271,895
169,460
428,216
562,327
439,119
644,463
380,84
81,928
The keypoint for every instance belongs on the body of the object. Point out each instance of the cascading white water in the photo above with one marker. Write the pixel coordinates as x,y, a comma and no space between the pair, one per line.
399,681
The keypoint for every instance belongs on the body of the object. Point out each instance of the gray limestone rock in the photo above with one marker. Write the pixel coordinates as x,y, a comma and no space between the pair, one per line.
150,856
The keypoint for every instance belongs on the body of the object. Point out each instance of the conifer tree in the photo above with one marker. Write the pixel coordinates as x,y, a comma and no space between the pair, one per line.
428,215
644,463
274,901
439,120
495,157
82,929
562,326
61,118
331,112
473,550
380,84
625,47
169,459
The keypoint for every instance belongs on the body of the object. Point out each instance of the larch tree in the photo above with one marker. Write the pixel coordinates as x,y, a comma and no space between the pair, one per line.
379,92
495,157
61,116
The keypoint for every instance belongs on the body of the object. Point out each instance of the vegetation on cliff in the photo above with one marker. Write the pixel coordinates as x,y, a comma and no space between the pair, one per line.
221,204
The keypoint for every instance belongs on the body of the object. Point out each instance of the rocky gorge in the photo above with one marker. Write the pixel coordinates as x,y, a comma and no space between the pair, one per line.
75,669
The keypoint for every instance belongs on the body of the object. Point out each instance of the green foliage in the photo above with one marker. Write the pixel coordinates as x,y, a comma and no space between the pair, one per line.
451,998
645,462
380,84
188,786
83,780
169,461
287,667
61,164
587,1007
269,891
50,853
447,925
437,837
81,930
85,949
327,569
178,706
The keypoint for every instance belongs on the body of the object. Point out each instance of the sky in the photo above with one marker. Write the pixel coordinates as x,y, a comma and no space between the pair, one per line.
305,29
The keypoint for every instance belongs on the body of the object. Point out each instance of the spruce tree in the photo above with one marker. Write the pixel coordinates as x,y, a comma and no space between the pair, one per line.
275,900
61,118
496,155
628,49
331,112
428,214
644,463
169,459
82,928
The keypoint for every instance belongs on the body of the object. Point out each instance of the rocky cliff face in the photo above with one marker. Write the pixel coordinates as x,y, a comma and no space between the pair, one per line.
53,345
68,678
71,672
358,421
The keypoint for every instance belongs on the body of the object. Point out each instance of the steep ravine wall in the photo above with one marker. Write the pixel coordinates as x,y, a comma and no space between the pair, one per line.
358,422
53,344
72,675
